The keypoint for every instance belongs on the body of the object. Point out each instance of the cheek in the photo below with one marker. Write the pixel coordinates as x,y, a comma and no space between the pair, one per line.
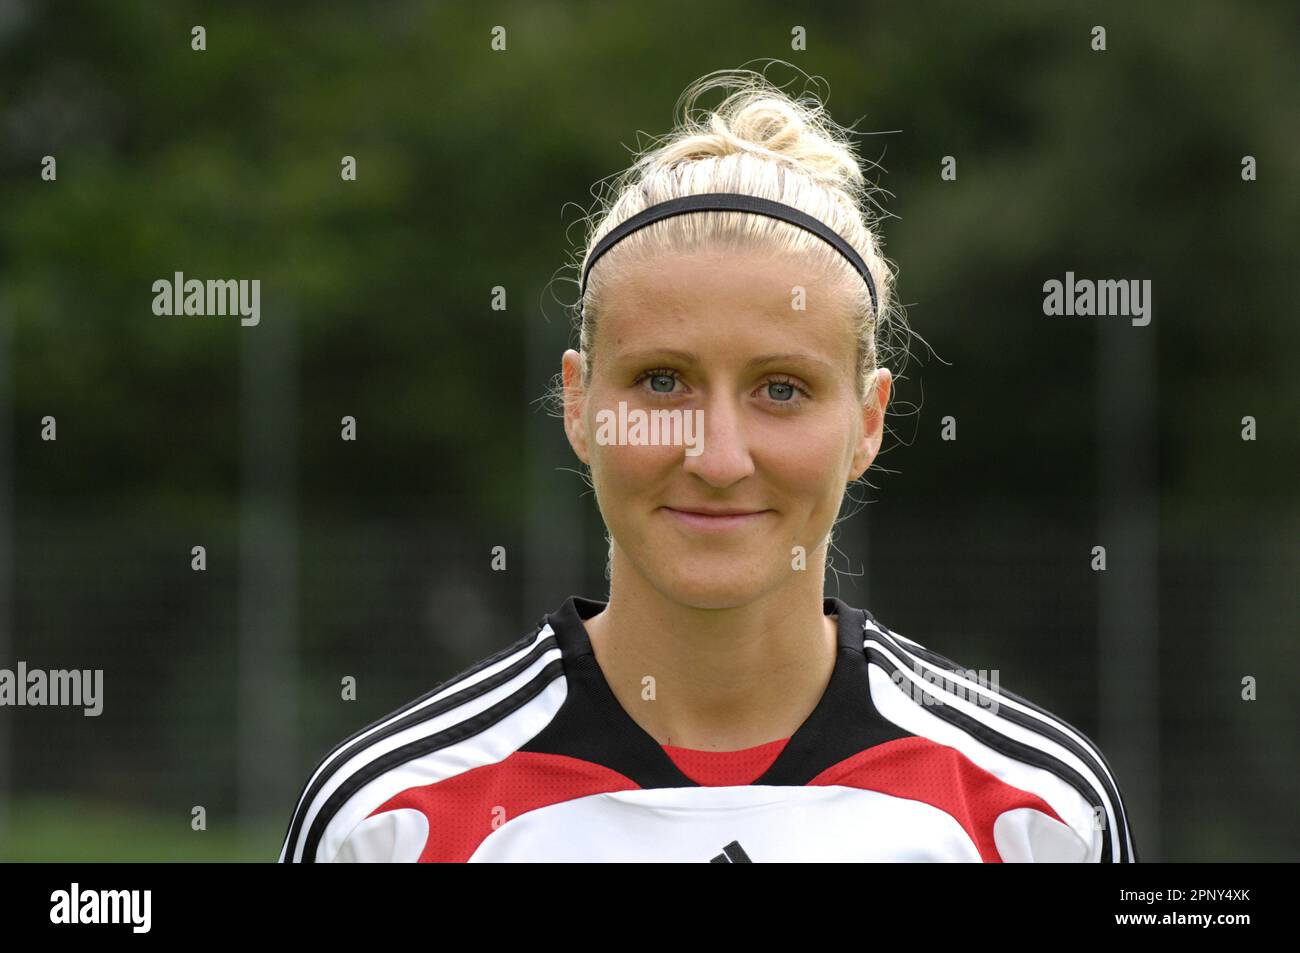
629,470
809,467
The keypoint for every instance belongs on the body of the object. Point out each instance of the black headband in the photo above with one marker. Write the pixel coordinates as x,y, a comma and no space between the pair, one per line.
730,202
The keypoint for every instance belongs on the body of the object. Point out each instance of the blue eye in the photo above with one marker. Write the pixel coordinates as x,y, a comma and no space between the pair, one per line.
785,393
661,381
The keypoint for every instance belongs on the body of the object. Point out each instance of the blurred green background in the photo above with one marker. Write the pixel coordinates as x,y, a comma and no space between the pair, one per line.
371,558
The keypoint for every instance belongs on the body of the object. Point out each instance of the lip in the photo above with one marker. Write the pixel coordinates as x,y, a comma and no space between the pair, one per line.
721,521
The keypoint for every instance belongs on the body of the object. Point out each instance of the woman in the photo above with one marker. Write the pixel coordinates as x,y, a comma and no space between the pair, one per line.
718,707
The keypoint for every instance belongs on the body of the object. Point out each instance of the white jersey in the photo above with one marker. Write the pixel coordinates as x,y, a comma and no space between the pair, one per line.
528,756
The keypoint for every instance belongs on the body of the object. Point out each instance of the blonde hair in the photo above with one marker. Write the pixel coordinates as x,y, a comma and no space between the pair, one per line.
758,141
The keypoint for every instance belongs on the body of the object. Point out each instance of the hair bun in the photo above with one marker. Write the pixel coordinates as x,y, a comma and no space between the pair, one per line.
760,119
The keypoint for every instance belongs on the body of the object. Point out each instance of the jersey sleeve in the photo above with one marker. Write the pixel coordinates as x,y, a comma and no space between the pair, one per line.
350,827
356,833
392,837
1027,835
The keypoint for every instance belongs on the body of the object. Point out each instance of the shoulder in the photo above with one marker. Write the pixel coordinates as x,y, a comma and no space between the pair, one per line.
1021,744
477,717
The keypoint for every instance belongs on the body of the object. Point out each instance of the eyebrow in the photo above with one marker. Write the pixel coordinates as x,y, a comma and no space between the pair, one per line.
690,357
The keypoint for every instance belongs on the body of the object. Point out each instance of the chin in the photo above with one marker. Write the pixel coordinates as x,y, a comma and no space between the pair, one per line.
726,587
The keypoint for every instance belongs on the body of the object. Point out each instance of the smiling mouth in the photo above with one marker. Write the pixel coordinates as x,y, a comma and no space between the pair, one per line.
715,521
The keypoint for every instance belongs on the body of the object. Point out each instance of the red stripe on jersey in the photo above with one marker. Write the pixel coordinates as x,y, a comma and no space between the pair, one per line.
465,808
721,768
922,770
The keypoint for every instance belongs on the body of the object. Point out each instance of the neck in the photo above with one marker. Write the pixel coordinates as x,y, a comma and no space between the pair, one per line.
724,679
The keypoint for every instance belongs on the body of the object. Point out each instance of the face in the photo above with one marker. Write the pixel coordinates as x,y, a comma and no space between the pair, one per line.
720,339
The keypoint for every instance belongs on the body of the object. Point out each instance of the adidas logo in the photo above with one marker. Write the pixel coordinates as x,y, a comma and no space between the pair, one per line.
733,853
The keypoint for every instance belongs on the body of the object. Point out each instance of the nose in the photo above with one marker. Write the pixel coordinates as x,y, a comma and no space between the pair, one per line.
724,457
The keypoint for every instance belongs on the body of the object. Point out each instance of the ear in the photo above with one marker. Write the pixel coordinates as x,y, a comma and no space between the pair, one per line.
873,424
575,402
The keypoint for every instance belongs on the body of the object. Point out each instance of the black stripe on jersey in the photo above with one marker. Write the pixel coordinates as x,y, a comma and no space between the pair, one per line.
1089,754
1003,744
415,717
518,646
422,746
940,661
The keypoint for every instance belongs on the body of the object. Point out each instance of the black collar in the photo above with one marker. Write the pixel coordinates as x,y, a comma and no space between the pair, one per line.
592,725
